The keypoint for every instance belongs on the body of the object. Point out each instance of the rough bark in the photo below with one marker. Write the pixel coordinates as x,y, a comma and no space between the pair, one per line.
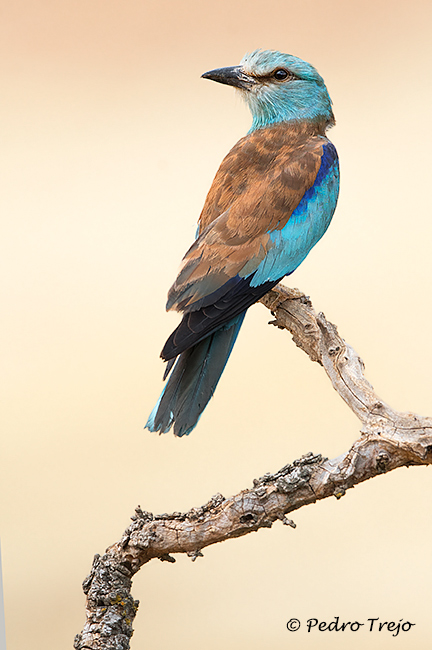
388,440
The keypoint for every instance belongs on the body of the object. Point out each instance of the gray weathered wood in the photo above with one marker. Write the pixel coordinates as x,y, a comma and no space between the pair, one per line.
388,440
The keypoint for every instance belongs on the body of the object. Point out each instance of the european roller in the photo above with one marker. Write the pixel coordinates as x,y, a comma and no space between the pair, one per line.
272,199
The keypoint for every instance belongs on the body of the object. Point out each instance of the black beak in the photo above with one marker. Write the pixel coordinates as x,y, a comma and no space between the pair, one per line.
231,76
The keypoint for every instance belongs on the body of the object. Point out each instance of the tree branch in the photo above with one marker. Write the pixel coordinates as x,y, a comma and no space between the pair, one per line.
388,440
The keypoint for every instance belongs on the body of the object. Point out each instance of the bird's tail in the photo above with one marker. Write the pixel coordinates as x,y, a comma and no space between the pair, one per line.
193,381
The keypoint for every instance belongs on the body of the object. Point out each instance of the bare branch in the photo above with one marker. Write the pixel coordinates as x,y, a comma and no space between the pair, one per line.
388,440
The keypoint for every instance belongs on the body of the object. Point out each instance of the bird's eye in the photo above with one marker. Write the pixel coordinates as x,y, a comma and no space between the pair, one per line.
280,74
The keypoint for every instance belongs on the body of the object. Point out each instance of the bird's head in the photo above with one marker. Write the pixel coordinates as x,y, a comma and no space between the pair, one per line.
278,88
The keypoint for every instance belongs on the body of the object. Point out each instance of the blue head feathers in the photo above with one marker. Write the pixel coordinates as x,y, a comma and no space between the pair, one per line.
278,88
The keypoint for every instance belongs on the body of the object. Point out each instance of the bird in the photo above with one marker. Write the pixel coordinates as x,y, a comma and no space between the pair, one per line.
272,199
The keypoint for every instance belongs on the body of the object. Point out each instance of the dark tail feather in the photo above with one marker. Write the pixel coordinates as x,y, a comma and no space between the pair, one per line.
193,381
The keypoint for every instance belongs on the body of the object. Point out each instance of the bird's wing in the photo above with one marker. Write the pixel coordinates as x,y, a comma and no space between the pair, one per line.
260,193
279,209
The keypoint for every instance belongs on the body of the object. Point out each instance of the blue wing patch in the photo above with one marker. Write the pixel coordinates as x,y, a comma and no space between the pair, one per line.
306,226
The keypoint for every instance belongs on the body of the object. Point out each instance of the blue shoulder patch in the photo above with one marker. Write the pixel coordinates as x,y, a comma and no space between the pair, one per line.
307,224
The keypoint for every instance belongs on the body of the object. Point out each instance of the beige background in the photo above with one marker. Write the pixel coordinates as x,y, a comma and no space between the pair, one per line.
110,140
